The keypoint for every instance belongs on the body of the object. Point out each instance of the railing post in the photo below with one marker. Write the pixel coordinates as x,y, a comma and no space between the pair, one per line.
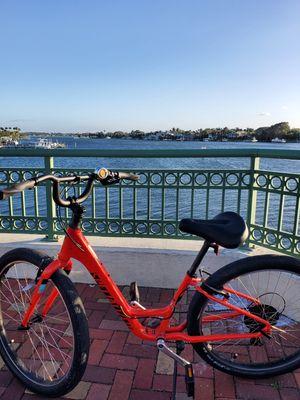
252,194
51,237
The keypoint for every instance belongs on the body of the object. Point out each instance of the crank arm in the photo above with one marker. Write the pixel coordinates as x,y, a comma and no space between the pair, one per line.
161,345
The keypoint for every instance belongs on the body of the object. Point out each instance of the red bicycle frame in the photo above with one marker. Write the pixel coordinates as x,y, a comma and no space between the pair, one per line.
76,246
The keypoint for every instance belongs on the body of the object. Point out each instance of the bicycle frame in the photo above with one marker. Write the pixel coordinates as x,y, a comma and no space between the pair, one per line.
76,246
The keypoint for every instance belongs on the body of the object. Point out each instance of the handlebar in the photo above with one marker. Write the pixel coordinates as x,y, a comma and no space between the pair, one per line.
102,175
107,177
19,187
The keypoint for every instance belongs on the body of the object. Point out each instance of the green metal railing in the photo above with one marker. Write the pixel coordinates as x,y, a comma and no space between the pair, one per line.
153,206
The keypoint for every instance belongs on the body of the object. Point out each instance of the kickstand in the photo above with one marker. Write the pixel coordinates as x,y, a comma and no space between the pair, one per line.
179,348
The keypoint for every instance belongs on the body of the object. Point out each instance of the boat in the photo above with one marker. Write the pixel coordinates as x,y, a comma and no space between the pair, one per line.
48,144
254,140
42,143
278,140
8,142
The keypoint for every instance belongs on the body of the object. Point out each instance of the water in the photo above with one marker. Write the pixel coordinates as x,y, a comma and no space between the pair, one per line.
183,197
200,163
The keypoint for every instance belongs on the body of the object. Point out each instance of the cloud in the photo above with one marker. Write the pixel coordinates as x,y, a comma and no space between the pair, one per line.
264,114
284,108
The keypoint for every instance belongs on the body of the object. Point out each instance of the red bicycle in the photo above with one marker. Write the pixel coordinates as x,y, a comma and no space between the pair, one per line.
243,319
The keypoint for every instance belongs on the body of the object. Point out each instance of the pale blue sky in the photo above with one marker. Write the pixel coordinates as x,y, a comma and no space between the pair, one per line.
73,65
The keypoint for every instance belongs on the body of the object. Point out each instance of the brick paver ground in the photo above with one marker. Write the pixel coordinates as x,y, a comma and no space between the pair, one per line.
123,367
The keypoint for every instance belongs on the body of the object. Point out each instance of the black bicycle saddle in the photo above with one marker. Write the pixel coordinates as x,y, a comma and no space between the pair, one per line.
227,229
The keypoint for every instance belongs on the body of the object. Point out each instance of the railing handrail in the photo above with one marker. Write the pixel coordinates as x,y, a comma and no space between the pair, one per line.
288,154
159,216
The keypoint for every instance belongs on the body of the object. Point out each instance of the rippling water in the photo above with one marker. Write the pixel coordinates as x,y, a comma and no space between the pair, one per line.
179,164
202,163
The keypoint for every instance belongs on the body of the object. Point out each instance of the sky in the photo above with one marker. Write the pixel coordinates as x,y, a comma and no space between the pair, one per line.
85,65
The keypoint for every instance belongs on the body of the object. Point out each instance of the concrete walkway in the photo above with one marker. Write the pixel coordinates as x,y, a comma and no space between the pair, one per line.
121,367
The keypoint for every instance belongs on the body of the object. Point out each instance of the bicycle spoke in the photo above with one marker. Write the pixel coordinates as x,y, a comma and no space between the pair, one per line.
39,352
276,293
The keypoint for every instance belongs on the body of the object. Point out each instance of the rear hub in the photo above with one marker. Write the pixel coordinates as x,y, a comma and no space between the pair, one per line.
263,311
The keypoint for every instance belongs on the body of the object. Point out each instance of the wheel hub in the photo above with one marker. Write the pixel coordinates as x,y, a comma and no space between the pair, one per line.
264,311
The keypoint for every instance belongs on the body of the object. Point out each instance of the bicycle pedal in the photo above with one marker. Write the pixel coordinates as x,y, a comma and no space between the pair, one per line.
134,292
189,380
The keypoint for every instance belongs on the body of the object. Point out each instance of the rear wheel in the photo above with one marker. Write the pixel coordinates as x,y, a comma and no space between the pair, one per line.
50,357
275,281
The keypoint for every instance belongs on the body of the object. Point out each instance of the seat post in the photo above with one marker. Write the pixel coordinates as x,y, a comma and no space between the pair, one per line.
199,258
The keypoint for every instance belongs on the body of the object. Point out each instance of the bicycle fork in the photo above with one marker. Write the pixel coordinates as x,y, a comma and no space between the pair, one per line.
38,292
189,374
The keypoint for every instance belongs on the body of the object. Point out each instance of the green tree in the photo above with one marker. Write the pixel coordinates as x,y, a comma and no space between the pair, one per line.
279,130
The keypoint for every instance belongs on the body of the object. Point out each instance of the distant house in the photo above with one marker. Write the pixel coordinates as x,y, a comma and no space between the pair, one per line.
235,135
155,135
152,136
242,133
232,135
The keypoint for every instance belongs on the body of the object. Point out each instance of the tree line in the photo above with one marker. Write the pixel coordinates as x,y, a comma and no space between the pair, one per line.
280,130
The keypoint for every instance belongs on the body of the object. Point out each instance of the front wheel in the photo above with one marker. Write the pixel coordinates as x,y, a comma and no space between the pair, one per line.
50,357
275,282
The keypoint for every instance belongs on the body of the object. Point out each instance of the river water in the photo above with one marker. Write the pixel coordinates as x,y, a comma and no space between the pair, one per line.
183,198
201,163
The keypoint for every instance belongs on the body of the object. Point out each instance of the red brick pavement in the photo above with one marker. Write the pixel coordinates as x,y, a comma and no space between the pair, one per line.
123,367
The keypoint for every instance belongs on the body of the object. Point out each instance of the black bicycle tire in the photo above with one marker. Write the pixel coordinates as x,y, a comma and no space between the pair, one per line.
78,320
217,280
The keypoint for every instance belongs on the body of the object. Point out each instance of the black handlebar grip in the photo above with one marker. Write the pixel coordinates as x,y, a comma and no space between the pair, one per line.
19,187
